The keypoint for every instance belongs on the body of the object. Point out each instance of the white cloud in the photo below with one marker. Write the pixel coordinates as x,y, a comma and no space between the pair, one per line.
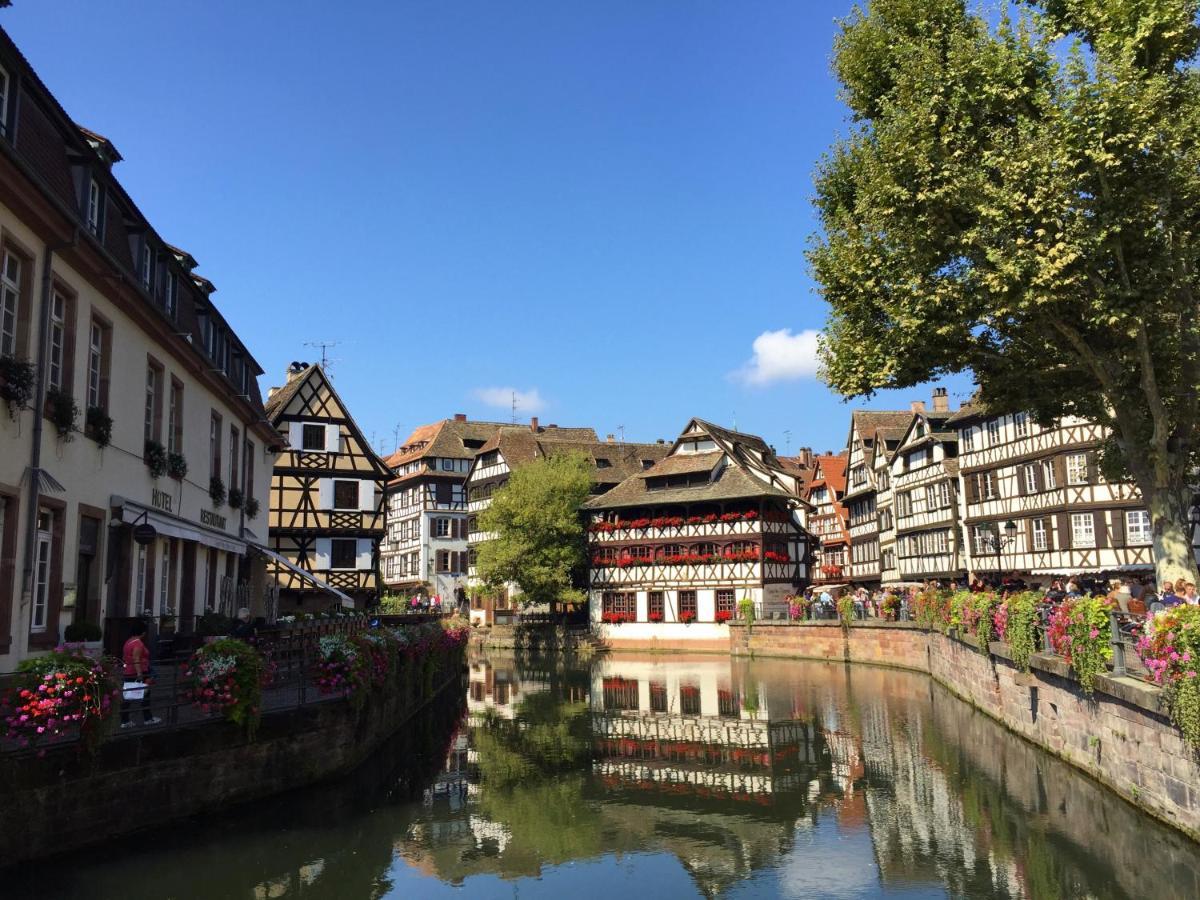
528,402
781,356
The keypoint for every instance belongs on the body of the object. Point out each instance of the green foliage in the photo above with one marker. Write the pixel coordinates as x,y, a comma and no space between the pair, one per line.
216,490
1079,631
1170,650
1020,200
251,508
1020,631
155,456
227,675
99,425
236,497
539,542
845,608
746,610
16,383
80,632
64,412
212,623
177,466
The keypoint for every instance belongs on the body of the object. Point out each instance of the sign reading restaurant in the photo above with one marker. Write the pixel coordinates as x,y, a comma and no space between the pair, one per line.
215,520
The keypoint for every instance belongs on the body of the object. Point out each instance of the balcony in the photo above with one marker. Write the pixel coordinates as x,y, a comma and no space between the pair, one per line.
677,527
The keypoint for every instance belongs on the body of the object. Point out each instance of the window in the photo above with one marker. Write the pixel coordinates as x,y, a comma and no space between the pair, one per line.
689,699
904,504
1048,479
41,587
153,412
147,267
981,539
10,298
993,432
170,294
967,437
687,604
1021,424
99,340
175,418
235,443
725,601
985,485
214,445
1083,530
658,696
249,465
343,553
312,437
164,577
937,496
885,479
447,465
345,494
441,528
654,606
1039,535
4,89
139,585
1137,527
58,341
1077,468
93,207
1029,473
443,560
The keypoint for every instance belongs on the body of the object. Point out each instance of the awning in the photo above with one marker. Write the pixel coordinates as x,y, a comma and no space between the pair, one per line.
303,573
173,526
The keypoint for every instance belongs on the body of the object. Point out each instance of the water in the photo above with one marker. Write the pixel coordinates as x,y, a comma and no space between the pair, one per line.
666,777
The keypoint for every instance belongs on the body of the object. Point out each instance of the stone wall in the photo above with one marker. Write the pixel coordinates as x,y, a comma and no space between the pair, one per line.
1121,735
67,799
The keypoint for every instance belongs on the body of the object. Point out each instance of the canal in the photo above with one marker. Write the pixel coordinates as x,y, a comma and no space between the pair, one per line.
665,777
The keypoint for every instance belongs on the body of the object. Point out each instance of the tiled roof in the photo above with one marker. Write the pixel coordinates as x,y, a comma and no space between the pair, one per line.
276,402
831,470
732,483
682,463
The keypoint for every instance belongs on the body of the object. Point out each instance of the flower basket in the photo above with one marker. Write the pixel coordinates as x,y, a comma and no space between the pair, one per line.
98,425
57,694
63,412
177,466
155,456
226,676
16,383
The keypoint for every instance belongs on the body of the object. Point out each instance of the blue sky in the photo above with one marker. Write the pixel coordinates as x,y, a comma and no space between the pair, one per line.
602,206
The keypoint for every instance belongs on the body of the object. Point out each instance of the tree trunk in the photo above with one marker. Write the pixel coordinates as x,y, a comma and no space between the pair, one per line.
1170,525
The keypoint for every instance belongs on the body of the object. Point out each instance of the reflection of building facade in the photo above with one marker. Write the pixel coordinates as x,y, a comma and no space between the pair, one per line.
123,391
326,513
676,546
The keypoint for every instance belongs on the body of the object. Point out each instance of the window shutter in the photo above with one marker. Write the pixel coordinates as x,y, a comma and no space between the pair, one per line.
1060,472
972,483
333,438
1093,473
1101,528
1118,528
363,559
324,493
296,434
1064,524
321,554
1051,543
366,495
1039,478
1022,490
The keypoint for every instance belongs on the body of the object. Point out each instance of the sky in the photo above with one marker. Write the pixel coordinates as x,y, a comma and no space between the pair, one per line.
601,208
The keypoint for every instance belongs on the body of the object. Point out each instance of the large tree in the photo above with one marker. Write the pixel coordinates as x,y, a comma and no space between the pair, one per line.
1020,198
538,541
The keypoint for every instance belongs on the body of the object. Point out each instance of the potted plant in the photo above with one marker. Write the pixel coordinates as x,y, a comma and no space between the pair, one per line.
83,632
63,412
98,426
687,617
235,498
216,490
16,383
177,466
251,508
155,456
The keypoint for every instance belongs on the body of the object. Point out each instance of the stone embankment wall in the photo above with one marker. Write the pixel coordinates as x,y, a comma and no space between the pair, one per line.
1121,736
537,637
68,799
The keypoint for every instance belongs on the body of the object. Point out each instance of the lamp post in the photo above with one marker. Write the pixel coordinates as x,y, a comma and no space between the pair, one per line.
999,543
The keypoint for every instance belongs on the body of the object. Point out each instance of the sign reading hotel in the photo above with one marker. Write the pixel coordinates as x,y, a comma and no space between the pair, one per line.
164,501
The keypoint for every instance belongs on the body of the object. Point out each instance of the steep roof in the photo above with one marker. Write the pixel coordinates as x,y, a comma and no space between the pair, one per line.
731,483
279,400
830,470
447,438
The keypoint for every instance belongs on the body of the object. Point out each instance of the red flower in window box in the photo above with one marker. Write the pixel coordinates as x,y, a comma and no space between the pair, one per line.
724,615
687,617
749,515
655,617
694,520
709,519
730,516
636,523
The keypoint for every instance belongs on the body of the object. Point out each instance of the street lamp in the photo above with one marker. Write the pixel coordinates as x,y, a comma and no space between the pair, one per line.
998,543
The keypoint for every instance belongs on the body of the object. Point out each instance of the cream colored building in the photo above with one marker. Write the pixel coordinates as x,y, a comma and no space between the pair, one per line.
104,326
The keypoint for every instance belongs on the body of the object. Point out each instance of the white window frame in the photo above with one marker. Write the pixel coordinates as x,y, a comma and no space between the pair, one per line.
1081,536
170,294
1029,473
10,302
93,207
1077,468
1048,477
164,579
58,339
334,482
1021,424
1039,535
1142,535
40,612
139,580
438,524
994,432
151,394
987,486
968,439
147,266
95,363
5,89
172,419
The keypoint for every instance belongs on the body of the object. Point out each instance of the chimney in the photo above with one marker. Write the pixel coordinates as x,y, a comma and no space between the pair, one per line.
271,392
804,456
460,417
533,425
917,406
610,438
660,441
941,400
295,370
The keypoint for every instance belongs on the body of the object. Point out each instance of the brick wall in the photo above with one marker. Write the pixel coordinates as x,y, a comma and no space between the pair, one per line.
1119,736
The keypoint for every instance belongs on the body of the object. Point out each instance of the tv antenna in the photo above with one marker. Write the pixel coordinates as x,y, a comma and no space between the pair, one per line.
787,441
323,346
514,407
621,429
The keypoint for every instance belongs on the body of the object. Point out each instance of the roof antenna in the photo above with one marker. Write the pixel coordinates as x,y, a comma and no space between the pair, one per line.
324,348
735,420
787,437
514,407
621,428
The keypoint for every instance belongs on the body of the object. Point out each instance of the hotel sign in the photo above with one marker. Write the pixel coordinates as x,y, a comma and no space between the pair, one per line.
162,500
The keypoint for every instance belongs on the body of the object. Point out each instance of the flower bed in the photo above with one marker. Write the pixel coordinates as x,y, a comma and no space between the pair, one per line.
62,693
1170,651
1077,633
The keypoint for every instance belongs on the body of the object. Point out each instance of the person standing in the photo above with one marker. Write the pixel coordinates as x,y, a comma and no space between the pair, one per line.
136,657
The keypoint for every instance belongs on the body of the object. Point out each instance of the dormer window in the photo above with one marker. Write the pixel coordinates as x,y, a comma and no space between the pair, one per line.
602,463
93,207
147,266
170,294
920,429
4,90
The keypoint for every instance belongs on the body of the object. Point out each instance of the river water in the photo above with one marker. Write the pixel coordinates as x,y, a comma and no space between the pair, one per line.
668,776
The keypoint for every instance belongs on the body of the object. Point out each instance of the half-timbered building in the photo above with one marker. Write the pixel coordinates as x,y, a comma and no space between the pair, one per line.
1036,505
326,516
924,483
675,547
827,521
425,548
515,446
873,437
124,394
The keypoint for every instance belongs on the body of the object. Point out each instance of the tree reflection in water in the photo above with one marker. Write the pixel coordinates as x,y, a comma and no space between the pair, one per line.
674,775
